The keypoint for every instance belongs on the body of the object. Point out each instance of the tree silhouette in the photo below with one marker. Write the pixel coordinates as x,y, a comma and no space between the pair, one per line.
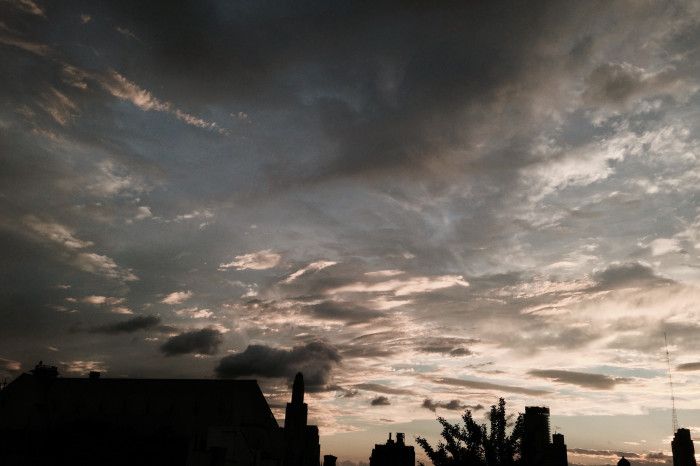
471,444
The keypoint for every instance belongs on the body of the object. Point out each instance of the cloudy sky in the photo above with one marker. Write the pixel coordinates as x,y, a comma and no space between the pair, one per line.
421,208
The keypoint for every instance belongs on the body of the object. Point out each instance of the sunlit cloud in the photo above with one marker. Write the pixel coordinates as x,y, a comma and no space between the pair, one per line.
56,233
177,297
312,267
123,89
260,260
403,287
82,367
95,299
102,265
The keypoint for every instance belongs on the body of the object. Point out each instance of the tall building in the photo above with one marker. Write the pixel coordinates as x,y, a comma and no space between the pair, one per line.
536,439
393,453
538,448
557,451
301,440
48,419
683,449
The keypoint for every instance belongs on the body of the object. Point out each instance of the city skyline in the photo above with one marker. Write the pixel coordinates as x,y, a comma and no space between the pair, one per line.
421,207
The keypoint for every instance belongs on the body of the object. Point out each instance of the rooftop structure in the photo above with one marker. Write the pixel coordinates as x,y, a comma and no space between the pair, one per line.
393,453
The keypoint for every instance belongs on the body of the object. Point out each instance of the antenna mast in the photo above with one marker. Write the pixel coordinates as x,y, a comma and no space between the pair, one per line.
674,417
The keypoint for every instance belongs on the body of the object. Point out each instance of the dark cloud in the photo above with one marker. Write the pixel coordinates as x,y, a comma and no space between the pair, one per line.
582,379
379,388
490,386
627,275
688,366
315,360
452,405
129,326
404,81
447,345
380,401
203,341
613,83
618,83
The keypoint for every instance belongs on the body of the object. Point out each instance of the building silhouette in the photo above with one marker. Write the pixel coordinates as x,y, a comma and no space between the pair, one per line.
329,460
47,419
301,440
623,462
393,453
536,441
557,451
538,448
683,449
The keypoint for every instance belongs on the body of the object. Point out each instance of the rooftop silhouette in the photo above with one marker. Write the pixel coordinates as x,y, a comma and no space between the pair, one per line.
393,453
48,419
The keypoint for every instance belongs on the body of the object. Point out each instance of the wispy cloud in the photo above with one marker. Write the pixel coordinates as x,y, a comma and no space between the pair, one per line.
123,89
403,287
56,233
260,260
102,265
59,106
480,385
36,48
312,267
28,6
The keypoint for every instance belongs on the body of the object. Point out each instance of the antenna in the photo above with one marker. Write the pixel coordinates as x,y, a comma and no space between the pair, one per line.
674,416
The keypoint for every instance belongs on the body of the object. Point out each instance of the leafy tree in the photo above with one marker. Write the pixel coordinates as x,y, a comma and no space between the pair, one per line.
471,444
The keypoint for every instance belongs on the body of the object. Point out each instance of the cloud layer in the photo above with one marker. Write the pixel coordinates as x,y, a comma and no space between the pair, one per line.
435,204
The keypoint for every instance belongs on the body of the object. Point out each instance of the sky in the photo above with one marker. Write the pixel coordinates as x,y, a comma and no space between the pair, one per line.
422,207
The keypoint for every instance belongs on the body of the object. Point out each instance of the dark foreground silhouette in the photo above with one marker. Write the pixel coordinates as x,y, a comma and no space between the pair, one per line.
526,442
50,420
473,444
